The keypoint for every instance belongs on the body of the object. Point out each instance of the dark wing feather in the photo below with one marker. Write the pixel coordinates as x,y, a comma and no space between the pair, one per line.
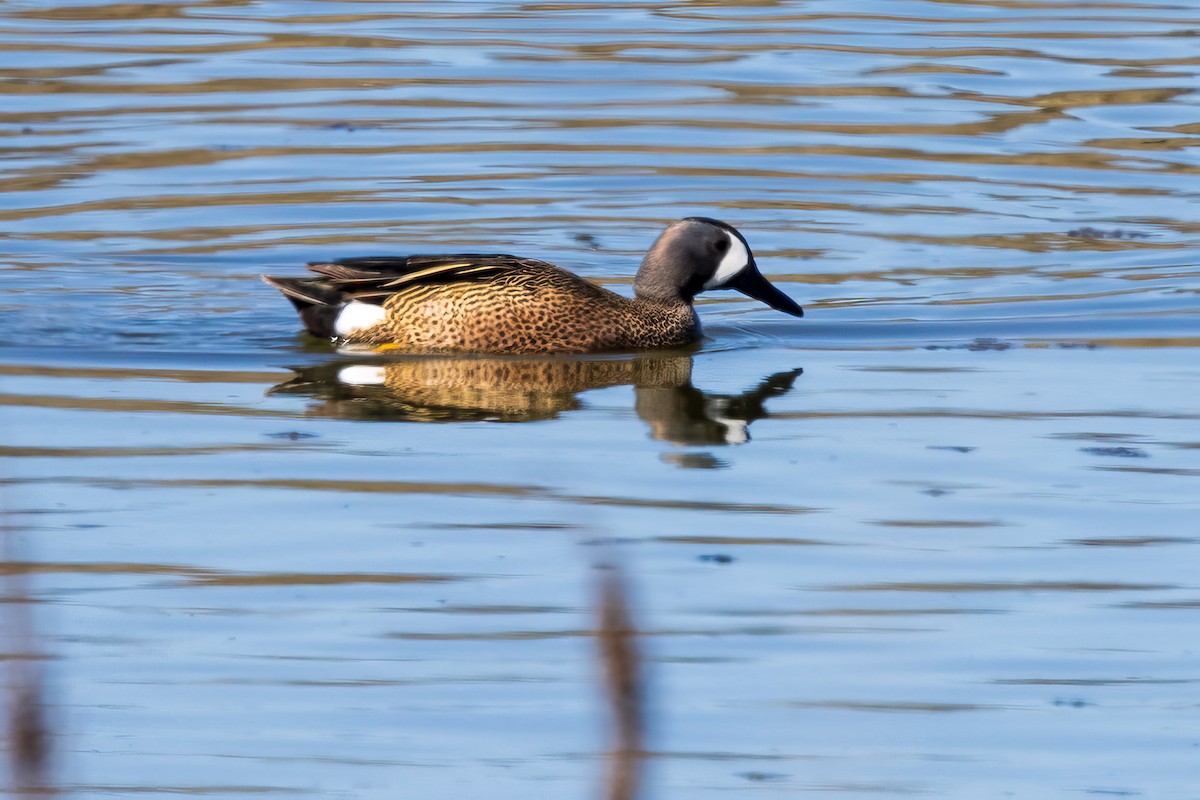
373,279
316,302
305,292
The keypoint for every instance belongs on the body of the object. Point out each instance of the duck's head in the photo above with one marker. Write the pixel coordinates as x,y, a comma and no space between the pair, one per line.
699,254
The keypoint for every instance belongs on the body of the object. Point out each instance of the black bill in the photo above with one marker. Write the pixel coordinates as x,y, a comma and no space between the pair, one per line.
752,283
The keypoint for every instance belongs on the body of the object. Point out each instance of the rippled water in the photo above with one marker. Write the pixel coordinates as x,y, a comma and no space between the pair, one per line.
937,538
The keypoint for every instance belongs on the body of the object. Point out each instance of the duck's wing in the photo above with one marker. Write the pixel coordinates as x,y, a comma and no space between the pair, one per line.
374,279
320,300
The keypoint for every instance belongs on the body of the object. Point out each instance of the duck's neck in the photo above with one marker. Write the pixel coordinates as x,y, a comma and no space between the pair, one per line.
657,285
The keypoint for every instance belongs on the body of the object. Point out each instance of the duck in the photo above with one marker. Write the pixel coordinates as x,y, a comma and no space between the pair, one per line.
503,304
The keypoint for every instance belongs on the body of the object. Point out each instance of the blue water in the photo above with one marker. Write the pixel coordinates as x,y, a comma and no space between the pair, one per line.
937,538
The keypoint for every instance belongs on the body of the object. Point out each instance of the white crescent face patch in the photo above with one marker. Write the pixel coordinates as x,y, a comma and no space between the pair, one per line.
357,316
735,261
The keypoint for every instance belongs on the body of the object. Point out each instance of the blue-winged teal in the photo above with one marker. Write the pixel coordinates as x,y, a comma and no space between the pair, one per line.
503,304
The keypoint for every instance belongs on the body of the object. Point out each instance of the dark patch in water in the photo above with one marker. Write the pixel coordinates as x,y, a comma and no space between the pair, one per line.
1116,452
348,127
988,344
762,776
695,461
1088,232
983,344
1131,541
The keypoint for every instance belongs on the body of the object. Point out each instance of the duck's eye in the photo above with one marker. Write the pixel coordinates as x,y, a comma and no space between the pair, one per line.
721,245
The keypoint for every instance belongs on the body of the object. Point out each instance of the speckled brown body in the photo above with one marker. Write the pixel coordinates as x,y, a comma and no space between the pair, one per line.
497,304
531,308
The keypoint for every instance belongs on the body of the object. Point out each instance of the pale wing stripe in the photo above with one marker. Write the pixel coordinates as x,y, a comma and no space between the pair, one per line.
425,273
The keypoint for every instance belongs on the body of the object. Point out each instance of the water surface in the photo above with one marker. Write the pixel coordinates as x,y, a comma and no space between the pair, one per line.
937,538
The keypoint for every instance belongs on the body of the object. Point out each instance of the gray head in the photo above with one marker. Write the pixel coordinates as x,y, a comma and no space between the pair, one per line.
699,254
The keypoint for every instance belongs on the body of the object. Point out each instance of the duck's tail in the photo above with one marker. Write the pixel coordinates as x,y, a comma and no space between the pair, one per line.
318,303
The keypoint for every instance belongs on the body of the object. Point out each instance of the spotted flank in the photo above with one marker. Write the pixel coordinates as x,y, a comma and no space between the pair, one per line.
492,303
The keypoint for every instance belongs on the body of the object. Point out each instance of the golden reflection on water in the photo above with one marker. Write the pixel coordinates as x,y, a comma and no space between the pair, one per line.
458,389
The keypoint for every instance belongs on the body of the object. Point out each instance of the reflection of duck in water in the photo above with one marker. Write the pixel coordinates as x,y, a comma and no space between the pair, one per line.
444,388
685,415
503,304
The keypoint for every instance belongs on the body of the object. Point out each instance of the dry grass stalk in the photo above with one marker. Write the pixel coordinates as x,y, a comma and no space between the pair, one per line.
623,683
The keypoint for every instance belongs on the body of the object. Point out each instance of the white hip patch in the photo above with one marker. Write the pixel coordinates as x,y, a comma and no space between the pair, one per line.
734,262
358,316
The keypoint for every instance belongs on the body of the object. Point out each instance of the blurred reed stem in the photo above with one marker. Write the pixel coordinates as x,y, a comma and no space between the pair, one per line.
28,733
624,684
